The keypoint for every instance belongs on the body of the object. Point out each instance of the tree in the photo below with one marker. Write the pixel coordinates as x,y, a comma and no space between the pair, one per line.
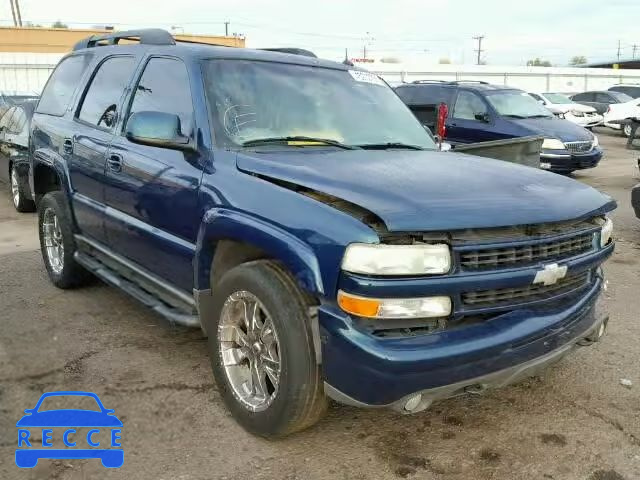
444,61
537,62
59,24
578,60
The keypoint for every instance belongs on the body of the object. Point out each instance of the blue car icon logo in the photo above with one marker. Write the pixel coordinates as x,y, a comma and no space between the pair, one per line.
36,437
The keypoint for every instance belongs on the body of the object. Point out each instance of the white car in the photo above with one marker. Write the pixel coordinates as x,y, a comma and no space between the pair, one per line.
622,111
563,107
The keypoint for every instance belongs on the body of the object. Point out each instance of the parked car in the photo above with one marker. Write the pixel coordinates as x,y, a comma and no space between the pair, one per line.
633,90
600,100
315,233
481,112
14,154
9,99
619,112
563,107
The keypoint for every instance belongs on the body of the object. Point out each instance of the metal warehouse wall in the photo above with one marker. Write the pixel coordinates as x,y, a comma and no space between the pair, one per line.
26,72
534,79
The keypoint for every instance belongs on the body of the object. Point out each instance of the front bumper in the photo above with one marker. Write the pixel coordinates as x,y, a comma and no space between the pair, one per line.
585,121
364,370
635,199
562,161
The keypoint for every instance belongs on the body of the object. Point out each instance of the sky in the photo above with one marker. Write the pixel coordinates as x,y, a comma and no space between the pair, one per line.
411,30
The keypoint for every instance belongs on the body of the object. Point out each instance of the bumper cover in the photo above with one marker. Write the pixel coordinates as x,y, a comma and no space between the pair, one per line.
369,371
560,161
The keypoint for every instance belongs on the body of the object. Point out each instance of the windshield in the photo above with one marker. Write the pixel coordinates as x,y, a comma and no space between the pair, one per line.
252,101
621,97
517,104
558,98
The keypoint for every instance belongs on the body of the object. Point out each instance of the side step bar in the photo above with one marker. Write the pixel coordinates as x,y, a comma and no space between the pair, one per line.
163,299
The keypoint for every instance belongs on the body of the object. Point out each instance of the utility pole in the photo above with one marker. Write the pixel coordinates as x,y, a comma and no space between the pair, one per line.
13,13
18,13
226,28
479,38
635,47
618,49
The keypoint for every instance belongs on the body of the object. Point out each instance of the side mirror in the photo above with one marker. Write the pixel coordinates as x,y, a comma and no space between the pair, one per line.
483,117
157,129
541,102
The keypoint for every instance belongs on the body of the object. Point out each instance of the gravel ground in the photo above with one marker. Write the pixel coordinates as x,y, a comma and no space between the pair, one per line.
575,422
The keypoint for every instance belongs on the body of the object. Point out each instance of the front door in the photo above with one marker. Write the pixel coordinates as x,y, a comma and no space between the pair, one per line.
470,120
86,148
151,192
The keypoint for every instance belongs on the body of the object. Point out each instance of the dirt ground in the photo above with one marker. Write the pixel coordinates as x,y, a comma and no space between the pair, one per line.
575,422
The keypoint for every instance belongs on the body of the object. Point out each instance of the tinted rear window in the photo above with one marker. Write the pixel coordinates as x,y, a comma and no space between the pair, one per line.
58,92
425,94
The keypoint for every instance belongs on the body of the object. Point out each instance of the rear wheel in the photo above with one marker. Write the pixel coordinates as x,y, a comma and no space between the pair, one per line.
20,202
57,243
262,350
626,130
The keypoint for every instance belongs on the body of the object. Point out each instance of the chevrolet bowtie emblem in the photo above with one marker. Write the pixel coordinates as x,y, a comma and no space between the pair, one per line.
550,274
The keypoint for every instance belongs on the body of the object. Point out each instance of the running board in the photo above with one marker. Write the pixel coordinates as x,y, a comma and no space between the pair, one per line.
142,291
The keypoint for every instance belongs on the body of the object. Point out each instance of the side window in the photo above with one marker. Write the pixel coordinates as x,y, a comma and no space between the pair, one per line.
6,119
17,121
469,106
164,87
58,92
102,98
604,98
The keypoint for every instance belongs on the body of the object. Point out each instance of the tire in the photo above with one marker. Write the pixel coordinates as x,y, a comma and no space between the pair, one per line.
54,216
298,401
626,130
20,202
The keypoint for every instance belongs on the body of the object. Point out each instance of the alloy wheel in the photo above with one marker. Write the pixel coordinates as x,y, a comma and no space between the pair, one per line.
249,351
54,246
15,188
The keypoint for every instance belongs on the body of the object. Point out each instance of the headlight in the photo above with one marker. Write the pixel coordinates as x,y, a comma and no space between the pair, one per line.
426,307
552,144
577,113
606,232
595,141
378,259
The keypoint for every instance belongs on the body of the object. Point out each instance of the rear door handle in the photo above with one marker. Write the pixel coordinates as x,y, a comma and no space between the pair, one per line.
114,163
67,145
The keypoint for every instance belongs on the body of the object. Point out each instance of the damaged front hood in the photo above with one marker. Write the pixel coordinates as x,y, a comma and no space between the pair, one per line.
426,190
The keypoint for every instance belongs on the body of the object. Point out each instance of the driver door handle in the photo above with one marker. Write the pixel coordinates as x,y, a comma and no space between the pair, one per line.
114,163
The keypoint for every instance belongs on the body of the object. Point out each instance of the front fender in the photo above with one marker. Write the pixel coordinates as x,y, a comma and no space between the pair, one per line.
223,223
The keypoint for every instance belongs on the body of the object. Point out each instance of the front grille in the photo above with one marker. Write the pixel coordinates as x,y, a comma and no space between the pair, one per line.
514,296
579,147
526,254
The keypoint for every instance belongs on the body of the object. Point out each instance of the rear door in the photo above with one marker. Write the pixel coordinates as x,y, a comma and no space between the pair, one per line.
87,146
588,98
471,120
152,192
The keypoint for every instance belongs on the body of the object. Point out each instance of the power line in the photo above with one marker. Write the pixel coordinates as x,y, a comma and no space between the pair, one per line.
479,38
18,13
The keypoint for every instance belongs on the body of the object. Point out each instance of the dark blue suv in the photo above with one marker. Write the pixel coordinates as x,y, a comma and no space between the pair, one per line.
480,112
296,211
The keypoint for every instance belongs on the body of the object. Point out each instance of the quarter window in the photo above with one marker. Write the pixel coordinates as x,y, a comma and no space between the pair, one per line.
469,106
164,87
58,92
104,95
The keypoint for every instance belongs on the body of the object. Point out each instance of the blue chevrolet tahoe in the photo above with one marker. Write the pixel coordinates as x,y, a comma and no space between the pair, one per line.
296,211
481,112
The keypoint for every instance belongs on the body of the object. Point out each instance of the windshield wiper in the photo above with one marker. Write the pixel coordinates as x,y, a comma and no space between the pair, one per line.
297,138
385,146
539,116
516,116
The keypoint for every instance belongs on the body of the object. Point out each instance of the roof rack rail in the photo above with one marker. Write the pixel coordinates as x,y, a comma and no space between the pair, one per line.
293,51
147,36
430,81
455,82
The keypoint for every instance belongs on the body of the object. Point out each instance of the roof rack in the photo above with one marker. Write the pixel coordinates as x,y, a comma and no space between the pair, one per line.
293,51
455,82
147,36
430,81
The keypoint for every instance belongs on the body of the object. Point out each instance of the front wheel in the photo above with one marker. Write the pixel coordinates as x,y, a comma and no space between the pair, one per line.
262,350
20,201
627,130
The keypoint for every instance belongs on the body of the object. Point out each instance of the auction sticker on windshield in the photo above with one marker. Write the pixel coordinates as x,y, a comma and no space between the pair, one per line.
366,77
